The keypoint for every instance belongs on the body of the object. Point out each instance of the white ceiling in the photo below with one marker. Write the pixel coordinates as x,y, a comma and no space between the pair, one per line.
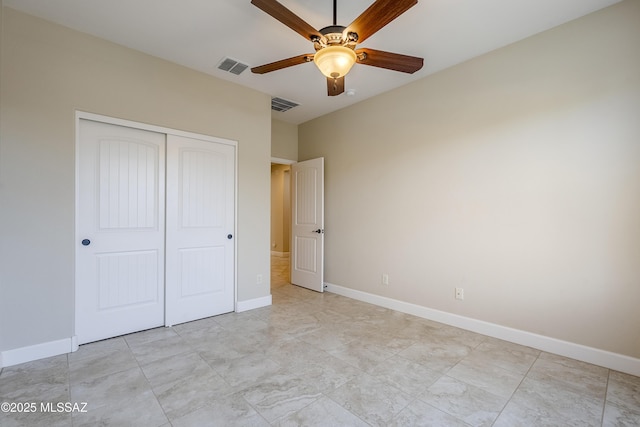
200,33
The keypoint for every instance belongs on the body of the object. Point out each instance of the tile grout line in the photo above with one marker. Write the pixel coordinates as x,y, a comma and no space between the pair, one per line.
69,385
346,409
606,392
517,388
155,396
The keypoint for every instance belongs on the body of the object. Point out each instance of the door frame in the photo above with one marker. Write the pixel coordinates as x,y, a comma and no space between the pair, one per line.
281,161
83,115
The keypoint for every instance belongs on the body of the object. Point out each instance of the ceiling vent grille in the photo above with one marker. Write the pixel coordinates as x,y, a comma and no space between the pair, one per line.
282,105
232,66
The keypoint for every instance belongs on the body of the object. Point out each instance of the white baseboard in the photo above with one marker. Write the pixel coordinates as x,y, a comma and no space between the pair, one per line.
35,352
253,304
592,355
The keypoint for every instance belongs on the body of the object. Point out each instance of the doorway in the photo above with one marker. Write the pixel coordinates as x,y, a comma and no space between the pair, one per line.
280,224
304,219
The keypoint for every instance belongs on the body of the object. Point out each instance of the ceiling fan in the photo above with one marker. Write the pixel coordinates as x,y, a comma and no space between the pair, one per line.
335,45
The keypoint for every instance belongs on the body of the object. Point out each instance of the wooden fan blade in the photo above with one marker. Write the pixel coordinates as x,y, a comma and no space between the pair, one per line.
288,18
388,60
284,63
378,15
335,86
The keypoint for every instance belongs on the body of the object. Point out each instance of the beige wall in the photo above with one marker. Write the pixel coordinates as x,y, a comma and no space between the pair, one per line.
515,176
47,73
284,140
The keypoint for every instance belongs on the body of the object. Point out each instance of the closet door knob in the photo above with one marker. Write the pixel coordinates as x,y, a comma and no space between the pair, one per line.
229,236
86,242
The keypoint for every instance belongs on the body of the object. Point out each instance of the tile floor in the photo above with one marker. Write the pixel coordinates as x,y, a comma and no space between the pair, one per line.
317,359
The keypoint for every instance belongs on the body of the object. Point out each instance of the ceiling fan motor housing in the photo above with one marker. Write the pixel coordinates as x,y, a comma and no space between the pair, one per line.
334,35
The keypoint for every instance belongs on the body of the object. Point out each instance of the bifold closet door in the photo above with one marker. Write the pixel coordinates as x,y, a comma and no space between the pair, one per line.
120,231
200,246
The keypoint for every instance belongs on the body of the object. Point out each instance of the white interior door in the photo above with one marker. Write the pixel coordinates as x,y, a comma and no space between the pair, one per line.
200,229
307,234
120,231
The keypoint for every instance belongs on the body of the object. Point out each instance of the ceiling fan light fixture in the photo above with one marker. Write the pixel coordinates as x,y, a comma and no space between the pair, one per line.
335,61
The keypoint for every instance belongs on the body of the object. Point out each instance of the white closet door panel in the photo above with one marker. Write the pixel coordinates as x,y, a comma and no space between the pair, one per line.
128,184
200,271
200,229
127,279
120,247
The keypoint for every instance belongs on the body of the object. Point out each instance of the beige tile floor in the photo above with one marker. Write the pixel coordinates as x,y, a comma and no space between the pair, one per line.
317,359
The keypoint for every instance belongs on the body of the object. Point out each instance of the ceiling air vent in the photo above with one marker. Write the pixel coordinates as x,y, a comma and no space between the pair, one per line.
282,105
232,66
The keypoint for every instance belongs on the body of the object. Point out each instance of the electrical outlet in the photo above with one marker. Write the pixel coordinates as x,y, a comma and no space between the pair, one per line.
259,279
385,279
459,293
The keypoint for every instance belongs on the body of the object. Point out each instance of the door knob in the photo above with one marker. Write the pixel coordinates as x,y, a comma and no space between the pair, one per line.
229,236
319,231
86,242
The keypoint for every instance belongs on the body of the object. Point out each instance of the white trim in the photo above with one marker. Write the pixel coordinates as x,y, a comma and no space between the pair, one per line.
153,128
253,304
280,161
35,352
236,154
607,359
